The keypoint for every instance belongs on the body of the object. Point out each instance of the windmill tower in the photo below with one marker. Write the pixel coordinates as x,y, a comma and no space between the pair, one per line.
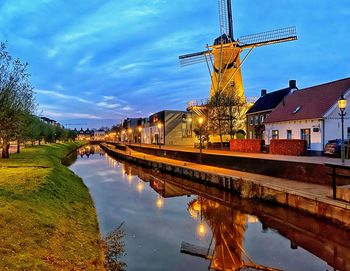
223,58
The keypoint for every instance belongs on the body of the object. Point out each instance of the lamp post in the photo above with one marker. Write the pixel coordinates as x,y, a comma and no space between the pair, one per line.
159,125
130,131
123,135
140,130
200,121
342,102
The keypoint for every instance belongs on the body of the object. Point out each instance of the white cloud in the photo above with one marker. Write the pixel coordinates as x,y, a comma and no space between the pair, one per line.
62,96
69,115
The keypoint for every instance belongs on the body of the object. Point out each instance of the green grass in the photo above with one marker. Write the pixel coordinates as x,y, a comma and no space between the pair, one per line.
47,217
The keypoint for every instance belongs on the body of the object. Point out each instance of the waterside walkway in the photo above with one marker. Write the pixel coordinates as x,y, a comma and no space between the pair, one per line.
309,197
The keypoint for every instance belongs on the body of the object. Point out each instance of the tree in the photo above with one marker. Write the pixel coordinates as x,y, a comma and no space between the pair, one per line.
235,107
217,115
16,97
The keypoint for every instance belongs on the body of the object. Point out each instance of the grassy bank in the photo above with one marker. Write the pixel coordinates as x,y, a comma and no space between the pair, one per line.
47,217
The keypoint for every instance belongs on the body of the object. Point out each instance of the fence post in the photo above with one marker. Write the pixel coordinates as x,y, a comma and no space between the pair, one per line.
334,183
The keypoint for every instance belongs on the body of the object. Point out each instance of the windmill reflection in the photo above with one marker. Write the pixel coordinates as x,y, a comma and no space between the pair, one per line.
227,225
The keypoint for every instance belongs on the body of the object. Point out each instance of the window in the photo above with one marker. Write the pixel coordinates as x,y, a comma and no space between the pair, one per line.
261,119
306,135
348,132
186,127
296,110
256,120
289,134
251,120
275,134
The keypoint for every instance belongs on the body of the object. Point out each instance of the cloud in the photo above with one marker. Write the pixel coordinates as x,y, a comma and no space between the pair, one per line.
69,115
62,96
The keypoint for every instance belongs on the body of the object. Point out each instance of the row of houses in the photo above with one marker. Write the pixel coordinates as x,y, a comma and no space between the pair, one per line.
167,127
90,134
311,114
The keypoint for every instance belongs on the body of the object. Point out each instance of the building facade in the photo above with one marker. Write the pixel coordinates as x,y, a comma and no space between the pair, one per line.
311,114
169,127
263,107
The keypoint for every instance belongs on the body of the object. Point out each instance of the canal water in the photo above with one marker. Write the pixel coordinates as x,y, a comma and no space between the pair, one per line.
176,224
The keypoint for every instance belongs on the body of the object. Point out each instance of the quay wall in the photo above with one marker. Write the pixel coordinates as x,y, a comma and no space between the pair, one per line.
337,212
304,172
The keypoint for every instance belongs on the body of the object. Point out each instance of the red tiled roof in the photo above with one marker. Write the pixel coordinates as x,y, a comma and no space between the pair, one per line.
314,102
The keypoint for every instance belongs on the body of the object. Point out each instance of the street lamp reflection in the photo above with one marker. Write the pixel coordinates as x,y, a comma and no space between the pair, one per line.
160,202
139,187
201,229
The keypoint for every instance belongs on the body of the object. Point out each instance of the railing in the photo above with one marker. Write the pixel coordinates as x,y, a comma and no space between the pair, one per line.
201,102
336,175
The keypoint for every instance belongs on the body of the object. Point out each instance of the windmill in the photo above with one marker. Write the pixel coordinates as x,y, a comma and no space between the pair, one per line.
223,57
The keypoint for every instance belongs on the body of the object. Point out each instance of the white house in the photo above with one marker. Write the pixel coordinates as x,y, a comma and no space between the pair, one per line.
311,114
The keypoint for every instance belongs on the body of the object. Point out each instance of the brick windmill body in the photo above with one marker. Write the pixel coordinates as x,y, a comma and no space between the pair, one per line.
223,59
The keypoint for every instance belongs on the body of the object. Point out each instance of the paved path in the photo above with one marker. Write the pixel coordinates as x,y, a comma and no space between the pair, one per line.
314,191
302,159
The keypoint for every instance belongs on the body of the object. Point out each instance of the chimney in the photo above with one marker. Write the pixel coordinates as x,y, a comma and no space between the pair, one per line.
293,84
263,92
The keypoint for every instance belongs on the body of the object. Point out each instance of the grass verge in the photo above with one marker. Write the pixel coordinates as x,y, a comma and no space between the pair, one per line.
47,217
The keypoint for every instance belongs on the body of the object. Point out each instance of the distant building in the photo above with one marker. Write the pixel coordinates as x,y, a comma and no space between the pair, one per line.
50,121
99,134
263,107
311,114
169,127
130,131
85,134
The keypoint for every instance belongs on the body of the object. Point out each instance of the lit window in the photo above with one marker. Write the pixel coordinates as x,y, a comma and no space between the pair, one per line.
275,134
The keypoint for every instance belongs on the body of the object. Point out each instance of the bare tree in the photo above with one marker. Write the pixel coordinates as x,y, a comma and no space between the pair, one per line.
217,115
16,97
235,112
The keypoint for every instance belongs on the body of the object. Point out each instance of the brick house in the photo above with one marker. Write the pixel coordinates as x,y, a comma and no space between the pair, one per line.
311,114
262,108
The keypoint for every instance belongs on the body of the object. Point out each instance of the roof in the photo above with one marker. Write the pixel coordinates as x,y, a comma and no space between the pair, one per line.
269,101
309,103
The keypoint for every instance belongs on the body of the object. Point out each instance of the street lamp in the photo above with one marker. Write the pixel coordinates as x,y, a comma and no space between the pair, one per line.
200,121
342,102
159,125
140,129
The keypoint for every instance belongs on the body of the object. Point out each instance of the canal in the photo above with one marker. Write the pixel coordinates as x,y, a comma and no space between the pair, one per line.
175,224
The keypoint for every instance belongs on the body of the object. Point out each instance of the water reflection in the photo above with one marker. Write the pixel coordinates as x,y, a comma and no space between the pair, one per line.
166,215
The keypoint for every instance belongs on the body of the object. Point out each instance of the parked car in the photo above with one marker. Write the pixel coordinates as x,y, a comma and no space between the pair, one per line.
333,147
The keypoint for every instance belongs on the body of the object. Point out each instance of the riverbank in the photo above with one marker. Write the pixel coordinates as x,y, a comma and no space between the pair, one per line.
307,197
47,217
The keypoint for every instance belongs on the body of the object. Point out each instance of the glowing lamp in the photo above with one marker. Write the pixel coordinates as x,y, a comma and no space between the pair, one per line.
200,120
342,102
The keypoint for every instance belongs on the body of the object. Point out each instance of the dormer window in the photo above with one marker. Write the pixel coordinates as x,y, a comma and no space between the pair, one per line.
297,110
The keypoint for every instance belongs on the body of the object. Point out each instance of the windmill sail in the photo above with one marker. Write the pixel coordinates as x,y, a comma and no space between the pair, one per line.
269,37
195,58
225,18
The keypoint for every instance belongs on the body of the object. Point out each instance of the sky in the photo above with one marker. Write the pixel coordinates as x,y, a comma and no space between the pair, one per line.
96,62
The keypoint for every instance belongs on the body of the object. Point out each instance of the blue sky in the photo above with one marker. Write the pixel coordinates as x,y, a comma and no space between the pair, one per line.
97,62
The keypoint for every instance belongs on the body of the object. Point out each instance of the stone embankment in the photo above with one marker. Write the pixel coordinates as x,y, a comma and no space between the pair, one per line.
308,197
